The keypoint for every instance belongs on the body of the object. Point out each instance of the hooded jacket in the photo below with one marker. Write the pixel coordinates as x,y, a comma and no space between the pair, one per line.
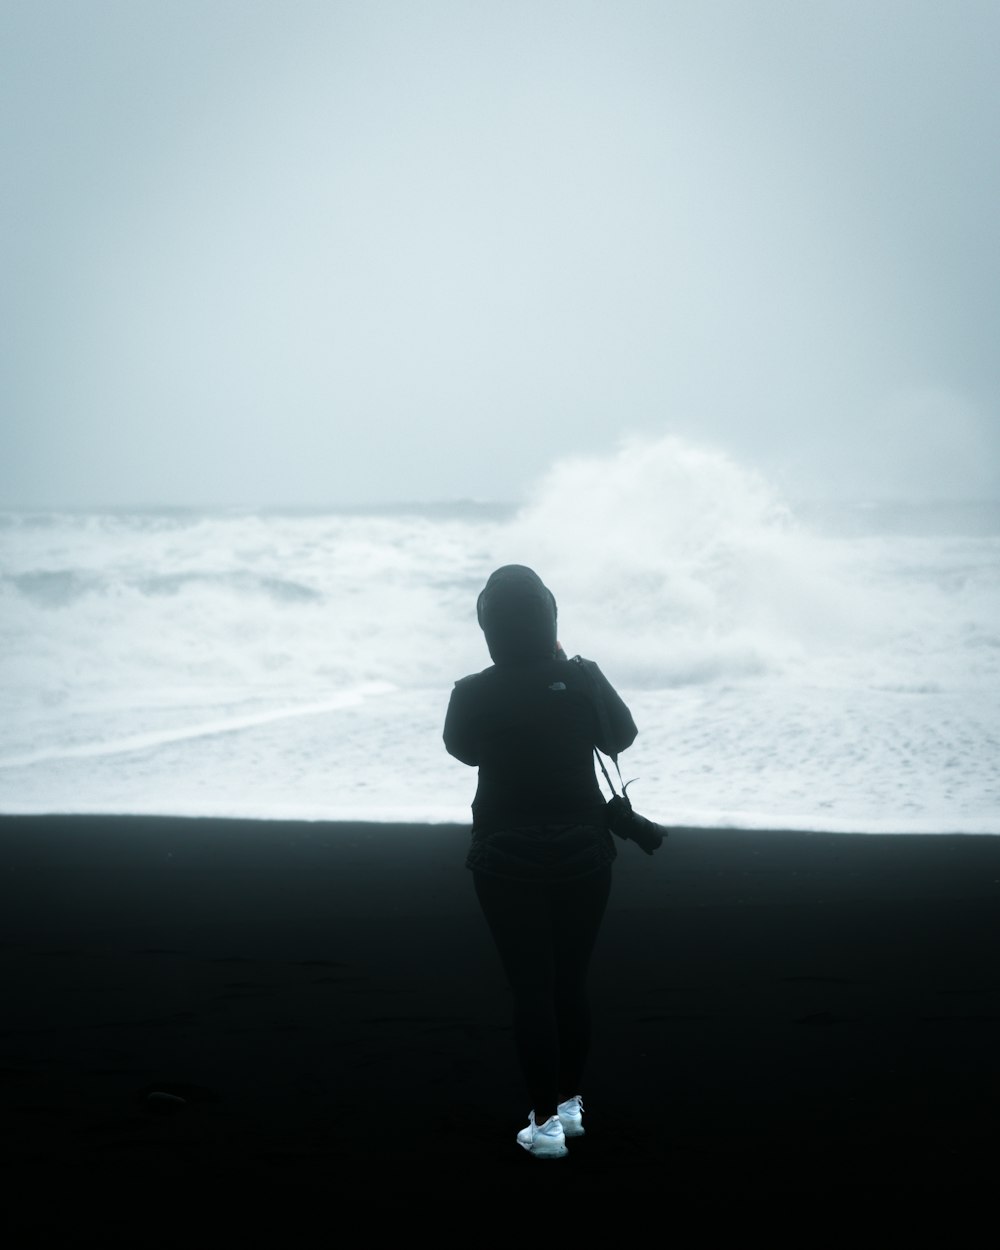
529,722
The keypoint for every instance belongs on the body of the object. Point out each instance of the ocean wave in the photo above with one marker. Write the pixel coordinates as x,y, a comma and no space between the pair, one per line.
150,741
56,588
684,573
53,588
240,582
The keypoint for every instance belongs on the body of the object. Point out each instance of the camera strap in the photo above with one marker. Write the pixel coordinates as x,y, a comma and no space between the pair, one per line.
605,724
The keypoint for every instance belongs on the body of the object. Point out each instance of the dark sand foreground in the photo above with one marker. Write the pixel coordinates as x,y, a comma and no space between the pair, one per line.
776,1013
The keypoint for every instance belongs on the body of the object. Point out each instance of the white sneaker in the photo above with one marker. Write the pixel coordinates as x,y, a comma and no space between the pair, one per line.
544,1141
570,1115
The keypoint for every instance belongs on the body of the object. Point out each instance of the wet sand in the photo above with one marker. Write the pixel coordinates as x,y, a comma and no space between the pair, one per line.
318,1006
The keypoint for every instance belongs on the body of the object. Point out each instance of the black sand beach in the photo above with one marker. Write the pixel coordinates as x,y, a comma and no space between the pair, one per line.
776,1013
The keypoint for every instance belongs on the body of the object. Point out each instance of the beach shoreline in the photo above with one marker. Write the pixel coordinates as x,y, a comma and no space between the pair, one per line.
774,1012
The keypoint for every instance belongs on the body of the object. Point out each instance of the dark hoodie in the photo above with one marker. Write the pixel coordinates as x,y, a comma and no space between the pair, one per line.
517,613
529,722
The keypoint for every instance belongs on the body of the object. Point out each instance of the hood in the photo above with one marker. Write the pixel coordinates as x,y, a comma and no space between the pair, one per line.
517,612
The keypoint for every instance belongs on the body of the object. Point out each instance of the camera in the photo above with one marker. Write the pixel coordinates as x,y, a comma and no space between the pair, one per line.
626,823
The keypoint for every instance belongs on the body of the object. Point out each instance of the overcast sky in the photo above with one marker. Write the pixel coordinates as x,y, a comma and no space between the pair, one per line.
322,253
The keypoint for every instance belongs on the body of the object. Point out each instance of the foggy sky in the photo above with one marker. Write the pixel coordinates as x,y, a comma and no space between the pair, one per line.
325,253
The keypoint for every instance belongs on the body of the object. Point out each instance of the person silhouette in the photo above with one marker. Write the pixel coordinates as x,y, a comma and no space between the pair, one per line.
541,851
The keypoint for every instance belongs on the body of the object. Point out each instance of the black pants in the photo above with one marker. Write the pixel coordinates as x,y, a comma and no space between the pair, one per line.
545,933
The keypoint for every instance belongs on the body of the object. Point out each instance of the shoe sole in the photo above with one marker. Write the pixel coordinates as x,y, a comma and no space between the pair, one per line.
542,1150
559,1152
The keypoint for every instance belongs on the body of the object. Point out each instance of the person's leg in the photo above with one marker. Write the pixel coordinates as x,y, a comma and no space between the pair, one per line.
581,909
520,921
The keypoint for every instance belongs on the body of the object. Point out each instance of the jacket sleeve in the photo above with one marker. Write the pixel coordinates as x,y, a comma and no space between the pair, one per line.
618,718
460,736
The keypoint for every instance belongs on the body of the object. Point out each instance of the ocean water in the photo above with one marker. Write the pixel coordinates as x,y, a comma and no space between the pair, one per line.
788,666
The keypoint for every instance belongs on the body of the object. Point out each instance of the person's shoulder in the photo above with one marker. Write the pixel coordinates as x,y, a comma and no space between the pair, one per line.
590,676
474,679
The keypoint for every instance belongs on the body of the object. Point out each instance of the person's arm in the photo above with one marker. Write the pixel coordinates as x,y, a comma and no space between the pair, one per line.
620,724
460,738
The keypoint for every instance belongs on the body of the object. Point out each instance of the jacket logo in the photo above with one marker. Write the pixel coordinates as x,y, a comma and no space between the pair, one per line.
558,685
